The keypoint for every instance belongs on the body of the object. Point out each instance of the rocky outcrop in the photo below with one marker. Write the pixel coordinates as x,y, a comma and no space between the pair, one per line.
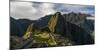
69,29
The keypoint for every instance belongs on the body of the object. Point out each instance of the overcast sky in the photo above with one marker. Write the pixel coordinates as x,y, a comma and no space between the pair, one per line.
36,10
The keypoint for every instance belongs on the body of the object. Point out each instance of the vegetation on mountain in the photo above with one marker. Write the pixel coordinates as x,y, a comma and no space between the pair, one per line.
55,30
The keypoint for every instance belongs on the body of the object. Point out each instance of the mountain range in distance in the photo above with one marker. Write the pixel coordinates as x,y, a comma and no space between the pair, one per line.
74,25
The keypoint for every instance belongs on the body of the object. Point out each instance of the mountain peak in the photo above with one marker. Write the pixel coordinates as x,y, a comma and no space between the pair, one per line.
59,13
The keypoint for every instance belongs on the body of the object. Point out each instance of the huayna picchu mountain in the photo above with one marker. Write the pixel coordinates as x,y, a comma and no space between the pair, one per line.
52,30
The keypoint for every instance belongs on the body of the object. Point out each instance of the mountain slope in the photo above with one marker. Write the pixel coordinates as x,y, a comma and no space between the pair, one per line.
70,27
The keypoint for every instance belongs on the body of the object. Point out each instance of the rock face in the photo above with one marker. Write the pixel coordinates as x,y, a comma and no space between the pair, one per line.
74,32
72,26
80,20
75,18
79,35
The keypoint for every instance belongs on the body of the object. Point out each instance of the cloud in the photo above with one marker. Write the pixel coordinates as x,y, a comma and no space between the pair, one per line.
36,10
22,10
65,8
46,8
30,10
90,18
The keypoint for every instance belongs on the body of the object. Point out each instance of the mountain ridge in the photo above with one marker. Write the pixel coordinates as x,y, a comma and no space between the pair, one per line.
70,25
